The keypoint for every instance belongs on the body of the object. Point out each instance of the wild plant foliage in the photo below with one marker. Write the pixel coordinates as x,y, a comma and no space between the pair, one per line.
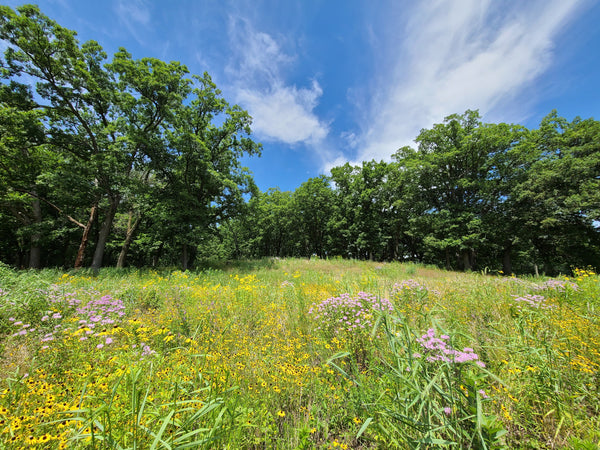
298,354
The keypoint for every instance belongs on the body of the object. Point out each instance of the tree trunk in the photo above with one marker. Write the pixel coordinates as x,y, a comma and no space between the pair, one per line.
184,257
235,241
104,232
19,259
35,251
156,256
466,260
506,262
85,237
131,230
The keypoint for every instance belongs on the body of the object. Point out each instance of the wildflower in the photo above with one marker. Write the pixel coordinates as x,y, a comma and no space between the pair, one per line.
281,413
346,313
535,301
447,410
437,349
146,350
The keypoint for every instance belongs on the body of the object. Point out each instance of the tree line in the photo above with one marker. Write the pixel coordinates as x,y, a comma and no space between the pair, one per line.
135,162
471,195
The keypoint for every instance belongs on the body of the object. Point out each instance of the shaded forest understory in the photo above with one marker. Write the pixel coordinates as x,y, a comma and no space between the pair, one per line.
135,162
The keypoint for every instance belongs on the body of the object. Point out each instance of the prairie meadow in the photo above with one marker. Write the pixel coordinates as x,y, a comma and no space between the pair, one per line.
297,354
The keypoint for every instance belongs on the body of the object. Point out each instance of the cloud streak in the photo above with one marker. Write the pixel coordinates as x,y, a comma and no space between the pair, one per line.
281,112
455,56
134,15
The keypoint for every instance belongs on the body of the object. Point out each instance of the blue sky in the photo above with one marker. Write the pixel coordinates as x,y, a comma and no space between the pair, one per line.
329,82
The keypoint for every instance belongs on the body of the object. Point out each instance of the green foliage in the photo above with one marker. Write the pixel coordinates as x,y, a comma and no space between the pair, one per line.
473,196
230,357
136,138
432,402
140,160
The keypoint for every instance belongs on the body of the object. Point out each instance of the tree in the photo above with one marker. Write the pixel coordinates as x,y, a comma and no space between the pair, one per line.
559,197
127,135
22,158
312,202
360,221
408,205
206,183
454,166
75,92
275,233
149,94
510,159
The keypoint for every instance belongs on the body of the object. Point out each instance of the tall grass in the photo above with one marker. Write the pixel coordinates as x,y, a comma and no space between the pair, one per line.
287,353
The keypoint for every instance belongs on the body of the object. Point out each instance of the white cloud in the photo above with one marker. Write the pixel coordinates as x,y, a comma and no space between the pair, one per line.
455,56
280,111
284,113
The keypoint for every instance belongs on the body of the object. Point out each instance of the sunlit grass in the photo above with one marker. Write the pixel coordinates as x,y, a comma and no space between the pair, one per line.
236,357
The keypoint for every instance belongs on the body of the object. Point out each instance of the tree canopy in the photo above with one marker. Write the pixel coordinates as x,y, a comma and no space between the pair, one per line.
470,196
98,140
123,161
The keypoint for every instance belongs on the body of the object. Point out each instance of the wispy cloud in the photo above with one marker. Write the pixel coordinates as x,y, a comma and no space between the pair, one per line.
454,56
281,111
135,16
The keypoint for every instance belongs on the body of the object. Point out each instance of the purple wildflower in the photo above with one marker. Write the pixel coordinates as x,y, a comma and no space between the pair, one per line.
437,349
347,313
534,301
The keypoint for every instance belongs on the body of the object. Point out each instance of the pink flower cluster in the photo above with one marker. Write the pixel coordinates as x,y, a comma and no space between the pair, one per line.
438,349
535,301
102,311
25,327
348,313
407,286
556,285
411,291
